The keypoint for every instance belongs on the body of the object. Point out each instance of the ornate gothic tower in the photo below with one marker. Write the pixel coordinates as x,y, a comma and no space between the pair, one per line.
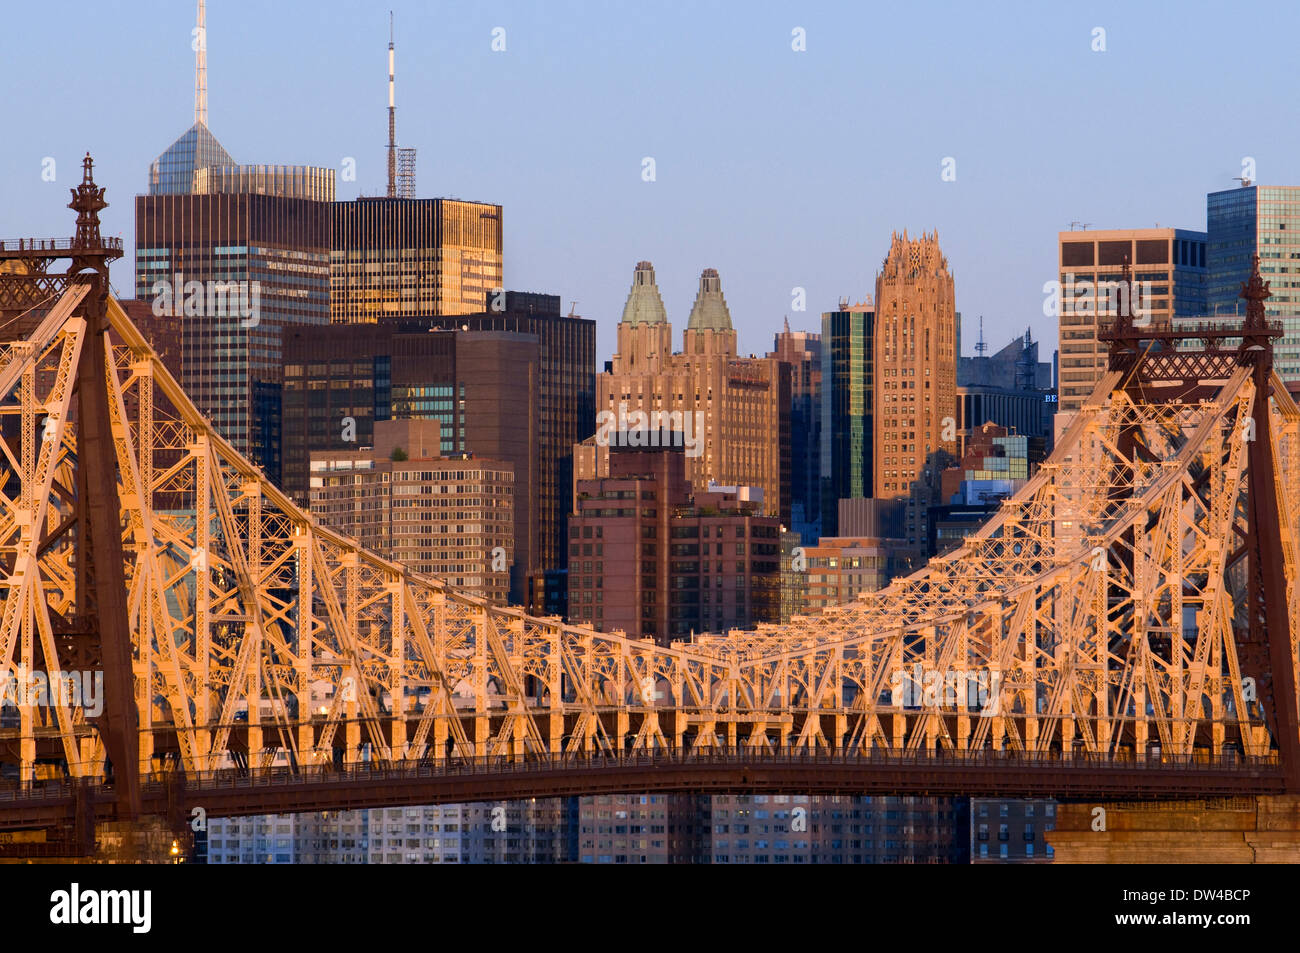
916,364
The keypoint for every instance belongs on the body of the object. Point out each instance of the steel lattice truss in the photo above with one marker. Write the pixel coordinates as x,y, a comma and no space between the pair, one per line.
1099,612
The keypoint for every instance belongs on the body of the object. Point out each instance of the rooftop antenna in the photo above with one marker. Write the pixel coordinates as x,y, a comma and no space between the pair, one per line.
1083,226
392,116
201,69
980,346
1245,182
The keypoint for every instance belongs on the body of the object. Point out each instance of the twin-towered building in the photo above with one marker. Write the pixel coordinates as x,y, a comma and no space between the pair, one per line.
731,414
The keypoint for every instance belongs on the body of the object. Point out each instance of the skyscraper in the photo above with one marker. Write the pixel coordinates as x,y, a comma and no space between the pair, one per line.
233,254
1263,220
566,405
406,258
481,386
916,363
847,432
1170,263
683,561
801,352
736,408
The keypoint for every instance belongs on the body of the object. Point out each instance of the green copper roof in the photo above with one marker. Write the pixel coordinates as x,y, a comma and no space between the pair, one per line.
710,311
644,306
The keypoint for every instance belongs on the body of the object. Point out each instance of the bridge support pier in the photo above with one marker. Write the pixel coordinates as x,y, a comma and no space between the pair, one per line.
1241,830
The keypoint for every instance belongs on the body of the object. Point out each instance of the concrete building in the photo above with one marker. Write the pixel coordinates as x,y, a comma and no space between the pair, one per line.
736,410
653,557
1011,830
1169,264
772,829
451,517
566,411
839,567
535,831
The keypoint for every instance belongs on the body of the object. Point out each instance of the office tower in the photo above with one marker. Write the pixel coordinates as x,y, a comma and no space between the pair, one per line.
1263,220
1169,264
233,270
1013,389
916,362
481,386
682,561
408,258
566,406
848,341
802,352
451,517
232,253
737,408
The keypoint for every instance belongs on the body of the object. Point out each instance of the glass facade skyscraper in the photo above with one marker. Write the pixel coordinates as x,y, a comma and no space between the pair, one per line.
172,173
1263,220
406,258
847,366
232,271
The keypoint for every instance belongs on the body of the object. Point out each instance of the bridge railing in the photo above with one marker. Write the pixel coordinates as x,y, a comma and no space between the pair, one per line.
234,778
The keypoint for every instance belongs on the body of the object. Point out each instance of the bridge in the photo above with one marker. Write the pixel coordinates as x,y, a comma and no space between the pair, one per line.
1125,626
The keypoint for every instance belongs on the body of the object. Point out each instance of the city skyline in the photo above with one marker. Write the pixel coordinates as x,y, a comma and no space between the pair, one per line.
772,156
342,523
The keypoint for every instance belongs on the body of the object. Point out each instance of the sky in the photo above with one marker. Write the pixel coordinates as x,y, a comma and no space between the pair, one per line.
782,168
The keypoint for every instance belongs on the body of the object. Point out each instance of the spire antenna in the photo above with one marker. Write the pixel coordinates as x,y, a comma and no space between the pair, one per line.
201,68
392,116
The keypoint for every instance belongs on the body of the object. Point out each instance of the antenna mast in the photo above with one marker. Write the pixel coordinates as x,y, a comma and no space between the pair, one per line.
392,116
201,68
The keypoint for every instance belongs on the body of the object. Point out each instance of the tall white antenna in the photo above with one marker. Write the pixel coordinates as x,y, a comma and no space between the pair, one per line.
392,116
201,69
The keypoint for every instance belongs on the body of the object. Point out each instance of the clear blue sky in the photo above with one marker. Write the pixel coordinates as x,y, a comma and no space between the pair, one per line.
778,168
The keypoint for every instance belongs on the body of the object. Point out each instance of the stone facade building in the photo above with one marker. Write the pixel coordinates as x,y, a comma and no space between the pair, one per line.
731,413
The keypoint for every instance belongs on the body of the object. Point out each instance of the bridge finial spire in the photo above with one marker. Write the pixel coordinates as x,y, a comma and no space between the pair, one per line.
87,201
1255,291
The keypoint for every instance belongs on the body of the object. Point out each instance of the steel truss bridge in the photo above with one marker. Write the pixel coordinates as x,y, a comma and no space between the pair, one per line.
1131,615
